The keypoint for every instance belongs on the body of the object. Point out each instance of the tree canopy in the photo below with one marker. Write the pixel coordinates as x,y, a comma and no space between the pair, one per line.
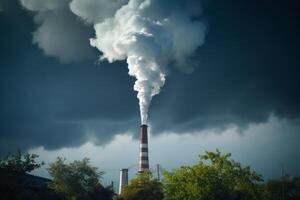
13,174
214,177
77,180
144,187
20,164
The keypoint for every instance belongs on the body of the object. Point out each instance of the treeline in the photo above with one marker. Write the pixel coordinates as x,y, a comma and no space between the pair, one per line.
77,180
214,177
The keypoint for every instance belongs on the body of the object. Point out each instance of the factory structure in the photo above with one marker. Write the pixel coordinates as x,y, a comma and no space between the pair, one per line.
144,156
143,163
123,179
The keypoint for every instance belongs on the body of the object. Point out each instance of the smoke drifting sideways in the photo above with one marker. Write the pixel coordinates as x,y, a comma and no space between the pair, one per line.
149,34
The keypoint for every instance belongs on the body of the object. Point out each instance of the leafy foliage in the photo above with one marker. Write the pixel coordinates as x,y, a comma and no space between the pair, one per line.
20,164
215,177
77,180
13,169
144,187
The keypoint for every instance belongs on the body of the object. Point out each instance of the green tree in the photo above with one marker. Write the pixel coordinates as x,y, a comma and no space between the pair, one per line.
13,170
215,177
77,180
20,164
144,187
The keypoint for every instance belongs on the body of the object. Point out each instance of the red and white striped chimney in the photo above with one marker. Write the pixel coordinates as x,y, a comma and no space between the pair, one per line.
144,158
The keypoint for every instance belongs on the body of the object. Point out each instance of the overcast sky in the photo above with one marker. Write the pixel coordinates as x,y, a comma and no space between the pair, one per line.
242,95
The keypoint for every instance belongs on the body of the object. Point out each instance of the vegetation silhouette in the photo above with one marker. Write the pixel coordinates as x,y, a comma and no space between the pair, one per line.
78,180
144,186
17,184
215,177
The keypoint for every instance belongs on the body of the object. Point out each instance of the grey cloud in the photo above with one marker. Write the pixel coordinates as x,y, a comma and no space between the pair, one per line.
248,70
36,5
59,33
95,11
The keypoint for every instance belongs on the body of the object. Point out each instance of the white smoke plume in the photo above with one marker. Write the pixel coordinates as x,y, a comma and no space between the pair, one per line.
149,36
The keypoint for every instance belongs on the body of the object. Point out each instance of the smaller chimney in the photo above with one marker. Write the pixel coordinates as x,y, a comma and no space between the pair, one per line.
123,179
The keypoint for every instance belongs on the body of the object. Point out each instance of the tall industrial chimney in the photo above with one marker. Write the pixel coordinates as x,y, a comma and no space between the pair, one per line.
123,179
143,159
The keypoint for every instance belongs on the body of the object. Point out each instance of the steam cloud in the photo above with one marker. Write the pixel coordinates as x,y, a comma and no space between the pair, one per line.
148,34
148,40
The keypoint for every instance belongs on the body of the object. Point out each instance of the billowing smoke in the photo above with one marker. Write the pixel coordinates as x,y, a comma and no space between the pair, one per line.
148,38
149,34
144,44
59,33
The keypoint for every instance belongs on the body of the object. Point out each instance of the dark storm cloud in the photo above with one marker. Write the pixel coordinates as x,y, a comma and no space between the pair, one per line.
46,103
247,69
